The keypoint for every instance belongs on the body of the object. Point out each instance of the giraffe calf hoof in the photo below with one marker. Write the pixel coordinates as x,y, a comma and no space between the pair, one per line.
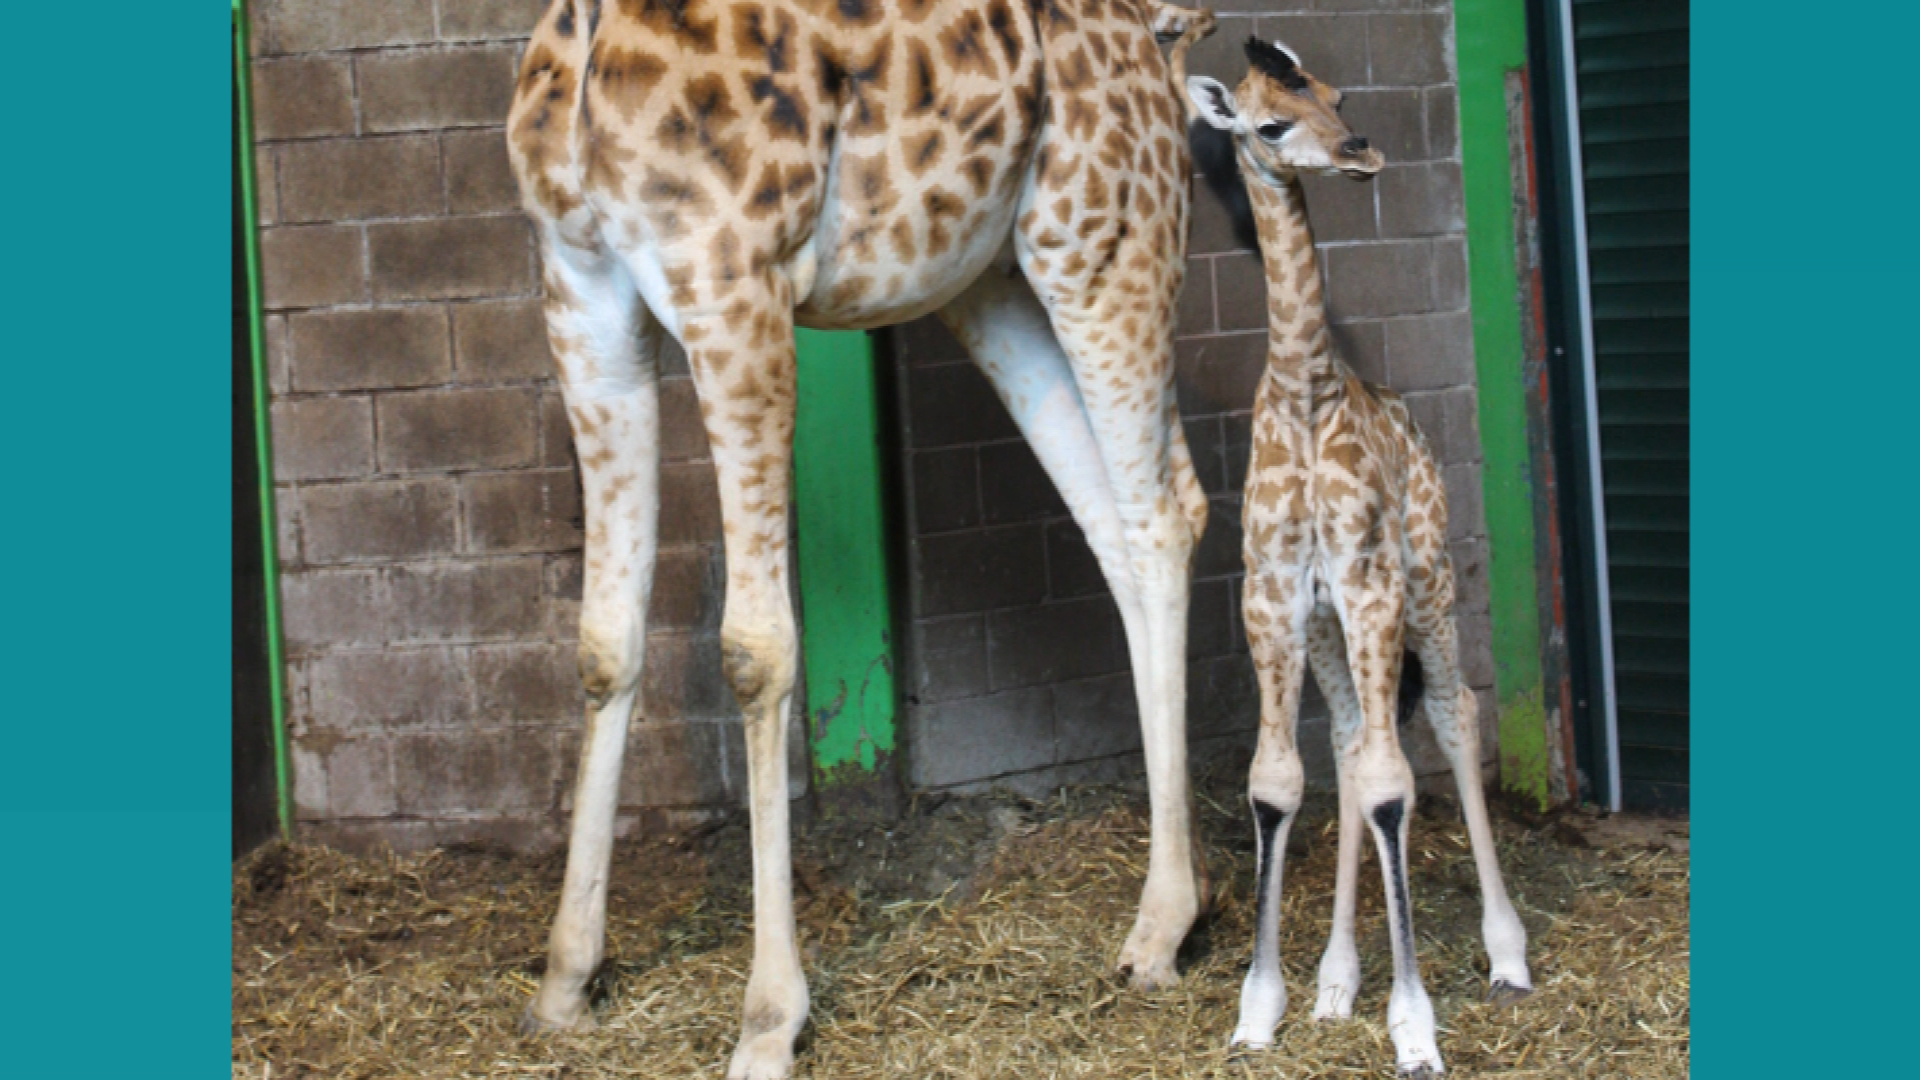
1419,1072
1503,993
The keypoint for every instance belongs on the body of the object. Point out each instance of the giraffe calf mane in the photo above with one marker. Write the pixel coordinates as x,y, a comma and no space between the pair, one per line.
1276,62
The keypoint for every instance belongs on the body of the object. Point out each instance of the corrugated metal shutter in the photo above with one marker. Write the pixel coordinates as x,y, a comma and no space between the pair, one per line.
1632,67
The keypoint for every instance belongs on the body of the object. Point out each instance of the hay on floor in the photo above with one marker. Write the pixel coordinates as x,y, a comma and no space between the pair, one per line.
974,940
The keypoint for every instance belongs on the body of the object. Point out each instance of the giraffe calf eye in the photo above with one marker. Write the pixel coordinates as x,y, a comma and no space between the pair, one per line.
1272,131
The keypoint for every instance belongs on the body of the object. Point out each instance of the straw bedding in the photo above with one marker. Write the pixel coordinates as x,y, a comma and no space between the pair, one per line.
973,938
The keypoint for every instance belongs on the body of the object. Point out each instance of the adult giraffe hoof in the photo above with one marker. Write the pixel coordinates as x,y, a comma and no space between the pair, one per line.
1503,992
532,1023
763,1057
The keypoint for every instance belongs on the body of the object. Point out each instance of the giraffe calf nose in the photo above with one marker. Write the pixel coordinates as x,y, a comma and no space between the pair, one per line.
1355,145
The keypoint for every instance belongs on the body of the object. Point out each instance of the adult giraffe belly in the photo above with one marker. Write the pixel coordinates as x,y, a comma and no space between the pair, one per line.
937,117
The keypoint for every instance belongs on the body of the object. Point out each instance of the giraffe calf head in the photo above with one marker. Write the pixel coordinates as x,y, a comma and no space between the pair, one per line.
1283,119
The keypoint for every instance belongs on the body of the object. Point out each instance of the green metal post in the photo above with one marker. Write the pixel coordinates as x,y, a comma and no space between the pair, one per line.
262,427
1491,38
846,617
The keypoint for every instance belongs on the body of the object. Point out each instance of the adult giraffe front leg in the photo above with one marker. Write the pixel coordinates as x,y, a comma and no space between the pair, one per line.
606,345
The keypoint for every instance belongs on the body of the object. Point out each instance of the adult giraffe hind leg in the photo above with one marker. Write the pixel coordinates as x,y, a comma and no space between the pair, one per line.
606,345
742,357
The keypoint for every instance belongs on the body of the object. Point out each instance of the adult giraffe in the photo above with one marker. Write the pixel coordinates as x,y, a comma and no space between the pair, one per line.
720,171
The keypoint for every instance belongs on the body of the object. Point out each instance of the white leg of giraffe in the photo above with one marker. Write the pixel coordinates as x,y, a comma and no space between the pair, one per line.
1011,336
742,358
1276,605
1340,964
606,345
1126,387
1371,599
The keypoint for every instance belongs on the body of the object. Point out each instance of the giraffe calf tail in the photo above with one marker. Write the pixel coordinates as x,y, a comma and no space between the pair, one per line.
1413,686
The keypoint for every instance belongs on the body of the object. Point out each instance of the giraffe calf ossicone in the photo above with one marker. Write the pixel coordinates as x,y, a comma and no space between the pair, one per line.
1347,569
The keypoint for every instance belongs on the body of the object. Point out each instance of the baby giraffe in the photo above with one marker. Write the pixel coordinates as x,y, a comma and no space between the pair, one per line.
1347,567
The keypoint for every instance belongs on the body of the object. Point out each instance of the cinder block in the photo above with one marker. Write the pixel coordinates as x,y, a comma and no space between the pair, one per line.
1362,343
980,738
1194,312
279,363
1219,374
378,349
950,661
1443,121
1223,697
389,690
500,340
1340,209
1470,592
1096,718
1394,278
478,772
332,608
946,490
925,342
1014,487
302,97
360,781
1220,55
556,432
1071,568
322,438
1410,49
1423,199
1204,444
342,522
1218,554
1052,643
1209,618
1466,512
688,590
456,602
981,570
266,185
1394,121
1462,405
527,510
306,26
312,266
682,679
1430,352
675,763
683,431
464,20
451,258
1240,285
457,86
527,683
357,179
1476,650
447,429
953,404
1450,273
689,505
479,179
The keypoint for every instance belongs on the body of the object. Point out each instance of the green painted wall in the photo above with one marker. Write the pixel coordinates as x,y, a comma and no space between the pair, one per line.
846,628
1491,37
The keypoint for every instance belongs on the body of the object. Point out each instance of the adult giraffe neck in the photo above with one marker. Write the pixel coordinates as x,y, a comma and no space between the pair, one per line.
1299,348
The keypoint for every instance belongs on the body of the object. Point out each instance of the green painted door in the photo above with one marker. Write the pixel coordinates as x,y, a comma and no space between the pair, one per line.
1631,61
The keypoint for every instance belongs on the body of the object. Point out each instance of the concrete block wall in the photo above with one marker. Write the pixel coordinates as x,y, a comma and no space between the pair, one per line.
430,520
1016,663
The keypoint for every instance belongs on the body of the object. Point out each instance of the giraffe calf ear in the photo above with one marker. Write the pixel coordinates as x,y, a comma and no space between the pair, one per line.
1213,102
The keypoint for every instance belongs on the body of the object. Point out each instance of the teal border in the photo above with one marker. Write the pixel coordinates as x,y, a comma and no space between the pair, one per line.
1806,746
114,774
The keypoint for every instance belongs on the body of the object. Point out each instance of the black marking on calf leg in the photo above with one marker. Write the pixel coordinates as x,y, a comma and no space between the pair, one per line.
1268,822
1387,817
